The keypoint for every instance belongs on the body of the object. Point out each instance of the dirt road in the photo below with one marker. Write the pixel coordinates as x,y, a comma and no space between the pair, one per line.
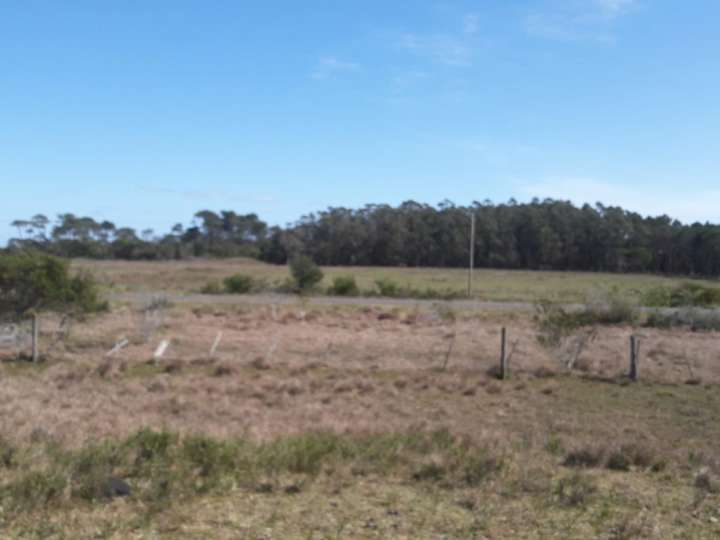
288,299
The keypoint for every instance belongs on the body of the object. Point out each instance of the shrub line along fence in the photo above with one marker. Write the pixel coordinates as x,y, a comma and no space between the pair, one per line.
633,371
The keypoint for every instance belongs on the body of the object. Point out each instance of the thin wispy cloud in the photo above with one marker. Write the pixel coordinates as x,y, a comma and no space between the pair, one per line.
330,65
471,23
574,21
454,48
409,79
444,49
614,8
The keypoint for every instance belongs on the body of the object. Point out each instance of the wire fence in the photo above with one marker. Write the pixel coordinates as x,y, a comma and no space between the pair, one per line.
366,338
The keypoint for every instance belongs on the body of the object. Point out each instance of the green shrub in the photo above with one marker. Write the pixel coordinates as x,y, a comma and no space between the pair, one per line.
90,477
556,322
387,287
305,272
239,284
344,286
36,282
162,466
34,490
686,295
151,445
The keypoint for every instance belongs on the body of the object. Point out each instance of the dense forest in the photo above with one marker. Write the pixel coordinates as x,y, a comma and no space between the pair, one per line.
548,234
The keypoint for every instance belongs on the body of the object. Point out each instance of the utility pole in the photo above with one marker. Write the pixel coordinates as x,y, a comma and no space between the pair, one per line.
472,254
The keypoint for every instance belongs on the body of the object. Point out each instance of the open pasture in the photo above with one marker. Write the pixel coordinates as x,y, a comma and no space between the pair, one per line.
496,285
350,422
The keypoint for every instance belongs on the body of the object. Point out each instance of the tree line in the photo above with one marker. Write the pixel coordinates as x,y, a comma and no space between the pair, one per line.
543,235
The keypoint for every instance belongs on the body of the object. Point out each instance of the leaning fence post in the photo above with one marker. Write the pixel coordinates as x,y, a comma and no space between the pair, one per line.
634,358
35,338
503,357
164,344
216,344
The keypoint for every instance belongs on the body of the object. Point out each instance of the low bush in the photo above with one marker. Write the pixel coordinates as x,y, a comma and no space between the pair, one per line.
239,284
632,455
33,490
556,322
37,282
387,287
344,286
685,295
390,289
585,457
695,319
306,274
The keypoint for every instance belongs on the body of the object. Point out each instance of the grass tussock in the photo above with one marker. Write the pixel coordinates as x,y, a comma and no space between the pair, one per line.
621,458
156,467
696,320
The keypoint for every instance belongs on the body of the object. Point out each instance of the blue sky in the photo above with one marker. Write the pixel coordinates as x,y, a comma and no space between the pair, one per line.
145,111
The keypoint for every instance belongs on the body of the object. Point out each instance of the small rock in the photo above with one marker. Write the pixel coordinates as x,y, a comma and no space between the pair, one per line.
117,487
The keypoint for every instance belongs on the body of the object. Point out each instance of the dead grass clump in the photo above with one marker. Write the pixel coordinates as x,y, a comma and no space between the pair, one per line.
172,366
260,363
534,480
343,387
293,388
704,481
223,370
156,387
574,490
633,455
629,528
543,372
585,457
105,369
493,372
364,387
400,384
7,454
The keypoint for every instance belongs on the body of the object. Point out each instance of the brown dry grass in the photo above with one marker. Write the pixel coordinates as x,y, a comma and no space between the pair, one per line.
293,369
344,369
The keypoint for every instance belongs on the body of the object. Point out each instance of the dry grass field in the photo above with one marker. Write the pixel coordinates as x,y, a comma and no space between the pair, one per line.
354,422
496,285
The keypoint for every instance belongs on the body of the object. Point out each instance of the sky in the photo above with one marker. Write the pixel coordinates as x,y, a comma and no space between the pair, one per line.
146,111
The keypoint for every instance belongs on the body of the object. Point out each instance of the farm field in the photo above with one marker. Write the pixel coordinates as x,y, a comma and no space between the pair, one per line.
492,285
356,422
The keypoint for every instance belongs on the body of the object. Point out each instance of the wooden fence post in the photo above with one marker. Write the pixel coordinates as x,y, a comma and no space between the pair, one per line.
35,338
160,351
503,358
216,343
634,358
